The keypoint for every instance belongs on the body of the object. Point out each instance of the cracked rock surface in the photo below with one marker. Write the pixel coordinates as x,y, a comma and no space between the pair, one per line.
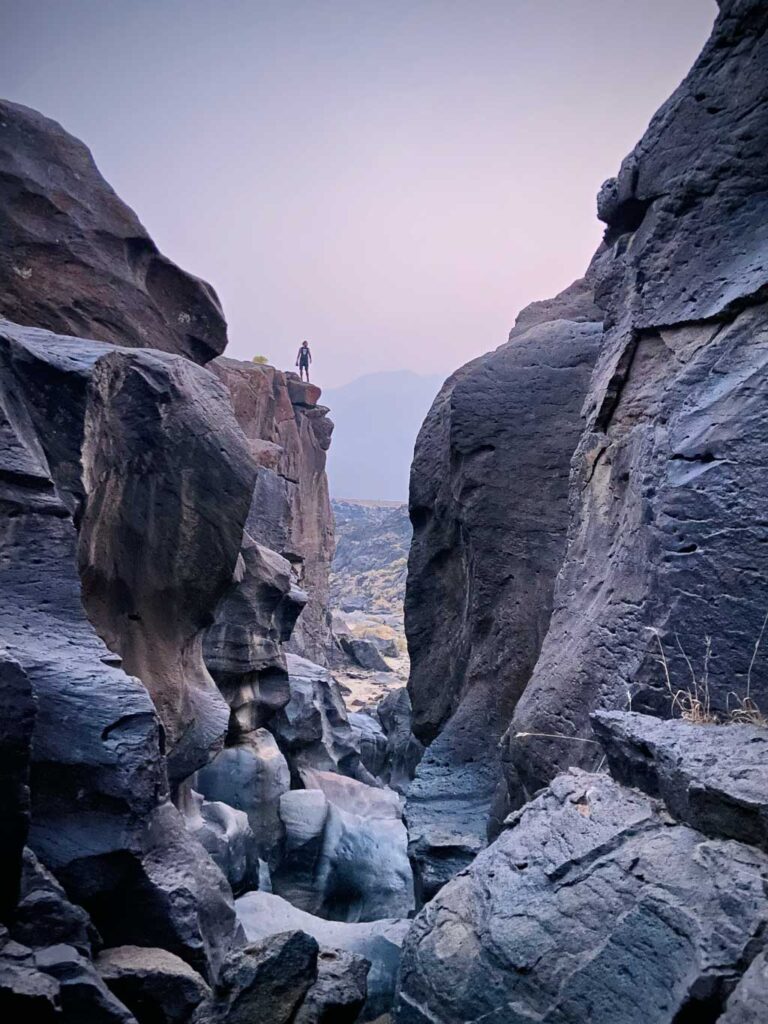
592,905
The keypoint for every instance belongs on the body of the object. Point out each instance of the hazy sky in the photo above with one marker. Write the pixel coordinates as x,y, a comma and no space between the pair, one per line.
391,179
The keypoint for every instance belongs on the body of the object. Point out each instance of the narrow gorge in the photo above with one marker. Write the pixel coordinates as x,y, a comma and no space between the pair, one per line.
237,785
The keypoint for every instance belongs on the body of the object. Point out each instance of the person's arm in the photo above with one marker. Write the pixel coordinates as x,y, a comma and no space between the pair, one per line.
309,354
298,356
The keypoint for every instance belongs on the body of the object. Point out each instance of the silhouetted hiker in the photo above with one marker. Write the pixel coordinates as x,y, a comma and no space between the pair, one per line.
303,359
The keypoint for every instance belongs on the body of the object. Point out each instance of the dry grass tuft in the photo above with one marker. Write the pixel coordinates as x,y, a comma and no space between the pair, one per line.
693,703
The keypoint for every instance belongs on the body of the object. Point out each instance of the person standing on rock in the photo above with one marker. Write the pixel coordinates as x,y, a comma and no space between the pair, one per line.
303,359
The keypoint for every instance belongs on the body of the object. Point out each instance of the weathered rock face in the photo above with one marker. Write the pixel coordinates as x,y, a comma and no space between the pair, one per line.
289,434
667,490
243,649
153,983
749,1001
489,488
76,259
266,981
132,440
251,777
338,994
100,817
714,779
590,906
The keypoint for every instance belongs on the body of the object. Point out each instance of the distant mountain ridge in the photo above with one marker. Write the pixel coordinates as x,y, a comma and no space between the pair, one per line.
377,419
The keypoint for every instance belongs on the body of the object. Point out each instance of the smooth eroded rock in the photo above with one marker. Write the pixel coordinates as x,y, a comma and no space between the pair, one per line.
76,259
379,942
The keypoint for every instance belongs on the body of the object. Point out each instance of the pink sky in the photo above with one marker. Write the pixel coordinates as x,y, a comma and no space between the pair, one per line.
391,179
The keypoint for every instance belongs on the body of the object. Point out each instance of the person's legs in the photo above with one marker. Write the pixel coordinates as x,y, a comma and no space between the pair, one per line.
304,369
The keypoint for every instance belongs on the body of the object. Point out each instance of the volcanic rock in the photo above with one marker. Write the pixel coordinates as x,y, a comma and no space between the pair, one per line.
590,906
266,982
76,259
226,835
83,995
100,817
364,652
339,993
312,728
714,778
45,917
748,1004
489,507
155,985
17,719
665,561
345,850
379,942
251,777
289,434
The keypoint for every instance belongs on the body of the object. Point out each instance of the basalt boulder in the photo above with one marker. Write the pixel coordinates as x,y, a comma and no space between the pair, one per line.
312,729
378,942
251,777
76,259
714,778
156,986
590,906
17,719
345,854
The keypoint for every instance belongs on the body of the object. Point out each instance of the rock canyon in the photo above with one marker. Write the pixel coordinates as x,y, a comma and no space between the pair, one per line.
221,802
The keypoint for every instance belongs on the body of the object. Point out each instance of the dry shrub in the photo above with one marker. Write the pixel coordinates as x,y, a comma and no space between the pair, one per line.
693,704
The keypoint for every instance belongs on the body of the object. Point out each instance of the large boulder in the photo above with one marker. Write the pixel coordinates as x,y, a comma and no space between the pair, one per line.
345,855
44,916
156,986
76,259
226,834
25,991
714,778
665,561
243,648
266,981
338,994
489,506
364,653
312,728
251,777
590,906
83,995
262,914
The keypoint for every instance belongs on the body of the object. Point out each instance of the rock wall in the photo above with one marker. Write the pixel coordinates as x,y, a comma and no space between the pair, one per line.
601,903
489,506
666,548
101,818
533,600
288,434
